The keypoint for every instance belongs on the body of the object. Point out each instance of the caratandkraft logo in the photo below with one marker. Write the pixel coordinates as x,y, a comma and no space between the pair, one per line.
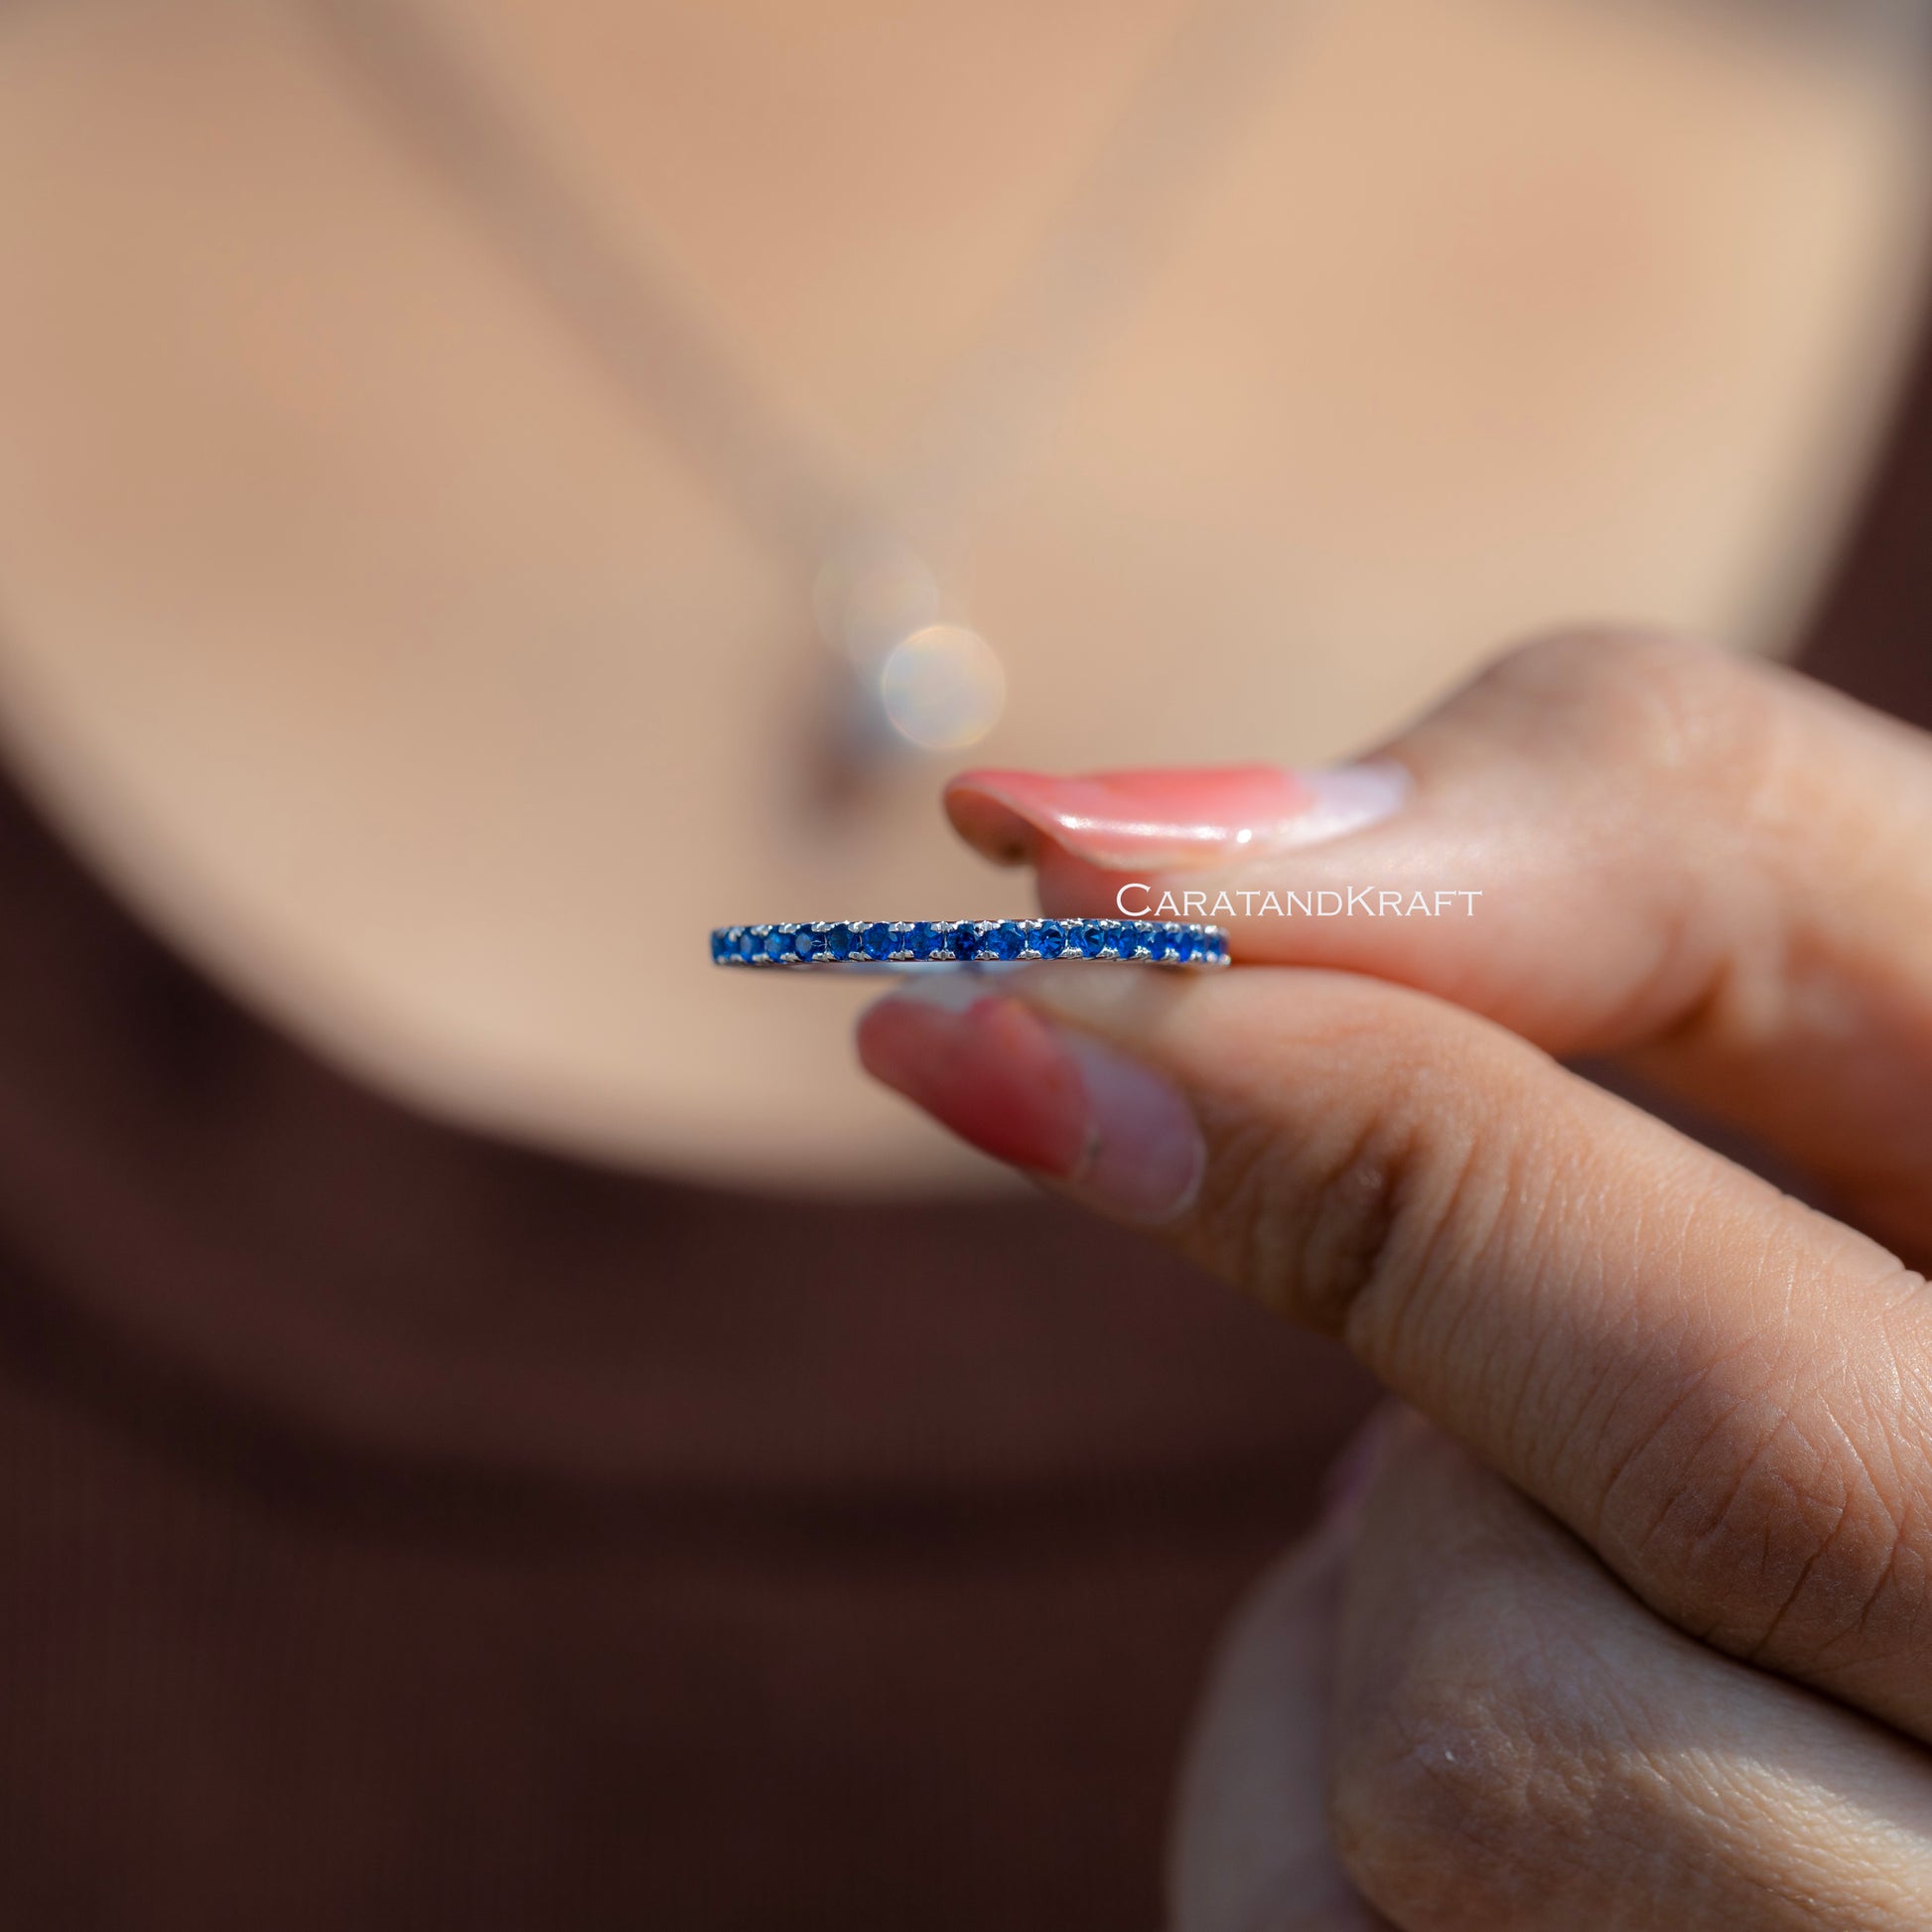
1325,903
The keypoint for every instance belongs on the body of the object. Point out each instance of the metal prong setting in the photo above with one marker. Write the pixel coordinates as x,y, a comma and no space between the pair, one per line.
916,942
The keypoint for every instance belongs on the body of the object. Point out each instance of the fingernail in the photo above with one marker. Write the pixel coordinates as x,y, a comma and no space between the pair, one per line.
1041,1097
1353,1474
1171,819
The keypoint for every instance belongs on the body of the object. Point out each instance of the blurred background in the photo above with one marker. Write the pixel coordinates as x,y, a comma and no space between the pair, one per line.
500,1426
429,428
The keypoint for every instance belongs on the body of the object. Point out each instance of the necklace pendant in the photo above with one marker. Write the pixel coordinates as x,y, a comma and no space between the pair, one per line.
942,688
926,685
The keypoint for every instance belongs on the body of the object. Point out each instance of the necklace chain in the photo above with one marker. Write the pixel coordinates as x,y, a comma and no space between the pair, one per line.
866,543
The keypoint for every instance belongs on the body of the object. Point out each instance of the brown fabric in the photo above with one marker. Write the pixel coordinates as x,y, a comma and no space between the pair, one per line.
1872,637
399,1529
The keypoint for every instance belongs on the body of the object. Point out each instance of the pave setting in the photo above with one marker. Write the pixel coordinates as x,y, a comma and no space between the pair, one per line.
935,942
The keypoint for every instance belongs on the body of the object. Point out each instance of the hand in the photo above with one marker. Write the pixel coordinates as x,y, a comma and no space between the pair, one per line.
1636,1629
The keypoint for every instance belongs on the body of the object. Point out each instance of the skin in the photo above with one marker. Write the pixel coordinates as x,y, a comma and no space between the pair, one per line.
391,784
404,667
1627,1619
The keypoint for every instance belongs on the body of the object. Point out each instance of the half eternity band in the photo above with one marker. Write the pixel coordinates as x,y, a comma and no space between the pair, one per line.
932,942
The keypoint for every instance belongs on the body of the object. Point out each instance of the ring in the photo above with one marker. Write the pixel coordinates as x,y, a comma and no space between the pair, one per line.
934,942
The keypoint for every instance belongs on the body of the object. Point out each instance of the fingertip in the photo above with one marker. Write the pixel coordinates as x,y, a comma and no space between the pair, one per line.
986,810
987,1067
1042,1096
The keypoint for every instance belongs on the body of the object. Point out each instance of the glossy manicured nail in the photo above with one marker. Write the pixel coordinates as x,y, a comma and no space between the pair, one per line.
1042,1097
1170,821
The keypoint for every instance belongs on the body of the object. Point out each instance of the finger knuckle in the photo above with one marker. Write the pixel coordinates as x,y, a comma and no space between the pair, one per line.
1331,1236
1340,1225
1633,704
1445,1809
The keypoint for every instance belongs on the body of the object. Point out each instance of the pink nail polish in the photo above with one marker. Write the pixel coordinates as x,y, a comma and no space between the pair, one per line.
1173,819
1041,1097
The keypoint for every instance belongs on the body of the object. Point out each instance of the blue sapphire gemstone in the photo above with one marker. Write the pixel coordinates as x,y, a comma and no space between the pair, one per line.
1167,943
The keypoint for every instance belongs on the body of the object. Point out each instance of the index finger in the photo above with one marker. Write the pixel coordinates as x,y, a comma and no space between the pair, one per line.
1724,1391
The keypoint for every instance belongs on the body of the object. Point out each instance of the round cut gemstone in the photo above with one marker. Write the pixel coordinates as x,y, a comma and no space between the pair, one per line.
1005,940
1164,941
